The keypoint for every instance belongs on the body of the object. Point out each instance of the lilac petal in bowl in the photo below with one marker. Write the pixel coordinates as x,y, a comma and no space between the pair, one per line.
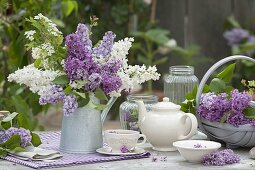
194,150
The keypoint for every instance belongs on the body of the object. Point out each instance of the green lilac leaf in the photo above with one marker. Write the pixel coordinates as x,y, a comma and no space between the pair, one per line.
3,152
12,143
83,102
37,63
83,95
206,88
99,93
100,106
217,85
68,90
6,125
18,149
227,74
61,80
23,121
249,113
36,141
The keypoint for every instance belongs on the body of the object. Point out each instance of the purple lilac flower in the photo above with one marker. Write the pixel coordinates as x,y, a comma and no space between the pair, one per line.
235,36
110,83
69,105
94,81
220,158
75,69
80,65
124,149
198,145
239,100
112,66
154,159
105,47
23,133
53,95
237,118
83,33
163,158
212,106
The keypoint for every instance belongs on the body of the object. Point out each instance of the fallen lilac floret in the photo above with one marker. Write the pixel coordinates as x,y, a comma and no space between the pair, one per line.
220,158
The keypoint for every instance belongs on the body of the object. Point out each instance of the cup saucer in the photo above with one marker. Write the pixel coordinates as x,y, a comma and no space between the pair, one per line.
106,152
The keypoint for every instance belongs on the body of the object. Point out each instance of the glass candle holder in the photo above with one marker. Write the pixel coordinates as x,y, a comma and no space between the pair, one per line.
180,81
128,111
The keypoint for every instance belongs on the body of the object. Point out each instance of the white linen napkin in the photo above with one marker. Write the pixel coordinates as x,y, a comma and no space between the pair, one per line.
37,154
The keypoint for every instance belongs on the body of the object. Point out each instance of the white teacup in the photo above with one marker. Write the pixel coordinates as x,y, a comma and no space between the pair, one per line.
120,140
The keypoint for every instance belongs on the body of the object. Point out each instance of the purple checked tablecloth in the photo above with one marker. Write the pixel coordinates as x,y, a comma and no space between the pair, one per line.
50,140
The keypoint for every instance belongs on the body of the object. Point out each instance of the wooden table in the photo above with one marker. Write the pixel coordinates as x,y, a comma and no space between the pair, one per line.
174,161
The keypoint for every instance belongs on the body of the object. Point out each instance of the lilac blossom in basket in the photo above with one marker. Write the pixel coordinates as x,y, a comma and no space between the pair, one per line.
213,107
220,158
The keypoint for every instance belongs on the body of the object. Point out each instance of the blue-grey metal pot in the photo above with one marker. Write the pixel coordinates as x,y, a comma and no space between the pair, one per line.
82,131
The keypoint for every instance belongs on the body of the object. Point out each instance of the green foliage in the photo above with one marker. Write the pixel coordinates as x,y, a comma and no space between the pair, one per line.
13,53
227,74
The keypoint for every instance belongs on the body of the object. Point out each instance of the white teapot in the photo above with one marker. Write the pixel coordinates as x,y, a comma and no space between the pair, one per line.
165,124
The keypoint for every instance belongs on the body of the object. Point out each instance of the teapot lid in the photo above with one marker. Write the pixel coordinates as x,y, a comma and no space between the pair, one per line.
166,105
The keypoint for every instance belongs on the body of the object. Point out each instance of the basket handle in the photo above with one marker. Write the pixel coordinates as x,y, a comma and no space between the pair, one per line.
209,73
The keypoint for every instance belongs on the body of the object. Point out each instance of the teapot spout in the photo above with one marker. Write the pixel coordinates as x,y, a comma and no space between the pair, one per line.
141,111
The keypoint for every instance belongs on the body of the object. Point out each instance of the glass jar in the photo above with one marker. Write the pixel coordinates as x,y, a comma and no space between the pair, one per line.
180,81
128,111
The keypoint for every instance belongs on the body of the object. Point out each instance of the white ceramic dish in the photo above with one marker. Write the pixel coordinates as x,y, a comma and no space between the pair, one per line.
194,150
107,152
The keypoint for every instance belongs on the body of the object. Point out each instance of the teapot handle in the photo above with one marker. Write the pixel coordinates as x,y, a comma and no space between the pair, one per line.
193,125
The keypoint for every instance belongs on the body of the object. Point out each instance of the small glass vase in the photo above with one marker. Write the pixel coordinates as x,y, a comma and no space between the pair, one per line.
180,81
128,111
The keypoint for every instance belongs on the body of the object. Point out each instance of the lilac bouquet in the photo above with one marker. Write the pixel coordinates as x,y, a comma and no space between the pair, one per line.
78,72
226,108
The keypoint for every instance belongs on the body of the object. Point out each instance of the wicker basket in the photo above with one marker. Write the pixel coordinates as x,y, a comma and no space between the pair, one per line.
233,137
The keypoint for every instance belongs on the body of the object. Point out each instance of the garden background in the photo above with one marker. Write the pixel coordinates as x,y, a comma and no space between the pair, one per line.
197,26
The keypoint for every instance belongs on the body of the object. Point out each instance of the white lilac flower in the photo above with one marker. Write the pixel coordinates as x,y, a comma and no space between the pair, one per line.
52,28
48,48
43,51
132,76
120,50
29,34
141,74
36,53
37,80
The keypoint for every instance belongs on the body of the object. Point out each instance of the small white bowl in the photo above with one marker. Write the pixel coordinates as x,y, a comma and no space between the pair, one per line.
195,154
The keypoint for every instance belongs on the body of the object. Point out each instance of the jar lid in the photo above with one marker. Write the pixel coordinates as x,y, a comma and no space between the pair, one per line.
143,97
166,105
181,69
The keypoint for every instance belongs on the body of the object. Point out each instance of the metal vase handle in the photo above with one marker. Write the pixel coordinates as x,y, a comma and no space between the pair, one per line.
209,73
106,110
